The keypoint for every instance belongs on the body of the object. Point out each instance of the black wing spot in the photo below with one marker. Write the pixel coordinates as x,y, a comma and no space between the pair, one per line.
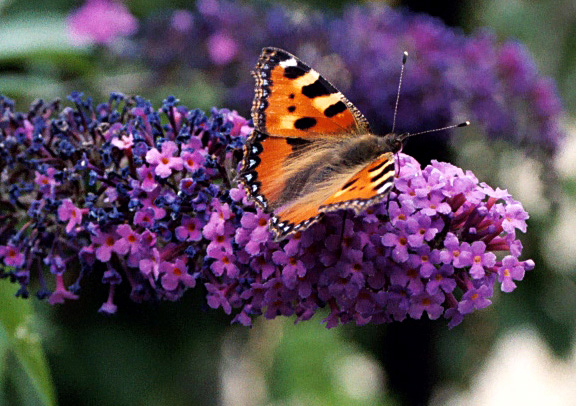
297,143
380,165
350,183
291,109
282,56
334,109
381,184
294,72
384,172
304,123
291,96
319,88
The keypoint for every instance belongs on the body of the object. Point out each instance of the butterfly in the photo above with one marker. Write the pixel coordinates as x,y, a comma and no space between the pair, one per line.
311,151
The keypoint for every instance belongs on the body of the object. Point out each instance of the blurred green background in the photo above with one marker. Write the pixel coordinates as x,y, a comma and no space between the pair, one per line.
518,351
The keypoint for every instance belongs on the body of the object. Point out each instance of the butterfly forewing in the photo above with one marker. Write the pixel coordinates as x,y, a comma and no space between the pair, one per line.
293,100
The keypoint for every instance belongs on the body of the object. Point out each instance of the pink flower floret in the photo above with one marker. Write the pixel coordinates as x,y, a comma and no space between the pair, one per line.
165,161
68,212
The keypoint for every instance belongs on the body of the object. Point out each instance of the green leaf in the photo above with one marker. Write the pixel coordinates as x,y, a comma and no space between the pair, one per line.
18,338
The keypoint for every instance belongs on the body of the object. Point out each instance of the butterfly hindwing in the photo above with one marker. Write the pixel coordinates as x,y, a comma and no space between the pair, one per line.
294,218
365,188
356,189
293,100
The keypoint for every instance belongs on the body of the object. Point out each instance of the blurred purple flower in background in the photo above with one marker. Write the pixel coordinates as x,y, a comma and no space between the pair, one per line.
222,48
182,20
141,217
100,22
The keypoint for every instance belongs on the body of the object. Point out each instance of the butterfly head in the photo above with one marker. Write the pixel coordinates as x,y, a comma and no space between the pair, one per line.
392,142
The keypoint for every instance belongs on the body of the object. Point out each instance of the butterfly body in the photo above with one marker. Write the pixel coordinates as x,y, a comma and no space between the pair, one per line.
311,151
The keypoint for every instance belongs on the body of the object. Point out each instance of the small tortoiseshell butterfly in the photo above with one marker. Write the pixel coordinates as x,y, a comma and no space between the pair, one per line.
311,150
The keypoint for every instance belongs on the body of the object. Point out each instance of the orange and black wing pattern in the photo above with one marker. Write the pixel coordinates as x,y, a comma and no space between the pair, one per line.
272,175
291,165
365,188
293,100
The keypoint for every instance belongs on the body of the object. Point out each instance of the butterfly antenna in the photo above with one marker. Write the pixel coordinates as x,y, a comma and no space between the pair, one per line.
404,58
464,124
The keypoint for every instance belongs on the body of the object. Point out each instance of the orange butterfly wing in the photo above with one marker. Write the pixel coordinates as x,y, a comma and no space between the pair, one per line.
293,100
365,188
262,173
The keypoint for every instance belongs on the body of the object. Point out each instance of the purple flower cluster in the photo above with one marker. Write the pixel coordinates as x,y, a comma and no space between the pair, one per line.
110,189
147,198
496,85
431,248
